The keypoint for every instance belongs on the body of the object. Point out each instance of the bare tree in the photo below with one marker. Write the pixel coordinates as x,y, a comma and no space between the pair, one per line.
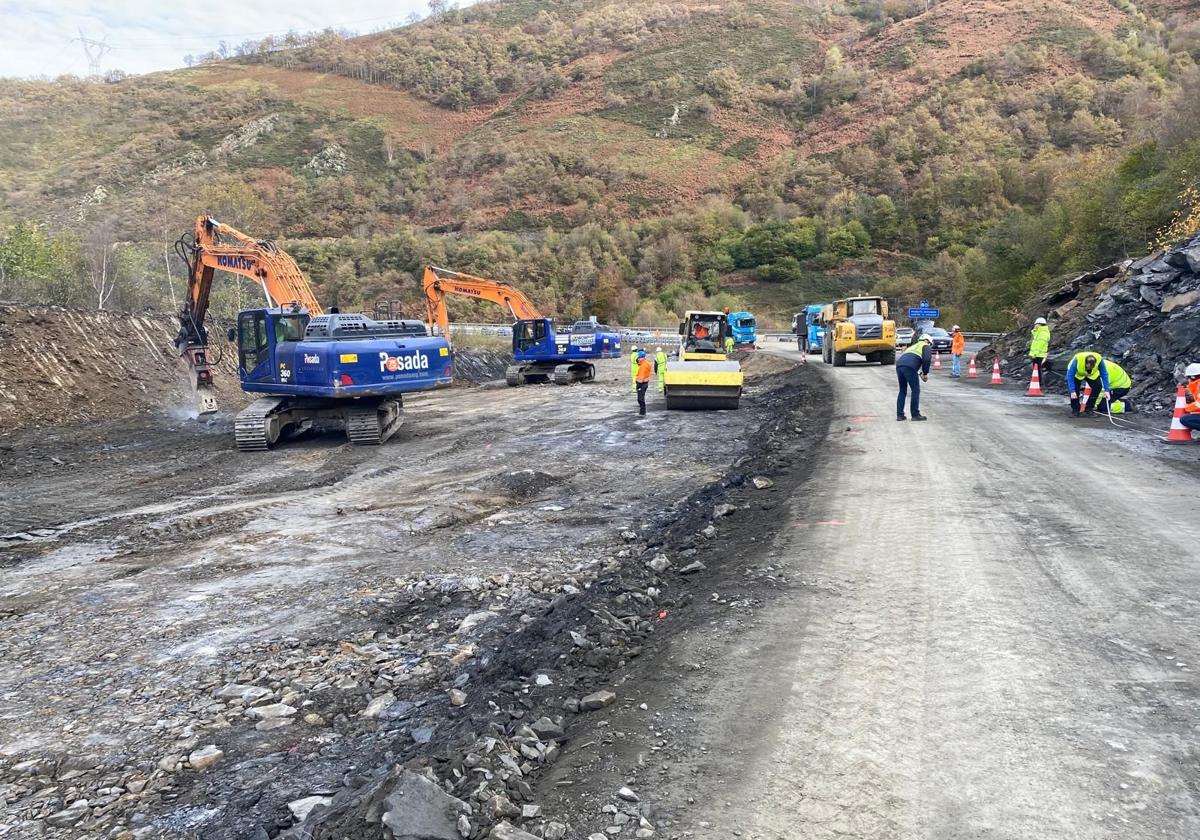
100,247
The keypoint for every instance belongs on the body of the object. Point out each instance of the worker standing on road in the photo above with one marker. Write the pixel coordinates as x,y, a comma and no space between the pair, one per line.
957,345
645,370
1191,410
728,344
660,365
912,363
1039,345
633,367
1109,381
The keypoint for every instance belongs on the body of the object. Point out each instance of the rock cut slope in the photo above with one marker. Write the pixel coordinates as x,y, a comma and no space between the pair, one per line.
1145,314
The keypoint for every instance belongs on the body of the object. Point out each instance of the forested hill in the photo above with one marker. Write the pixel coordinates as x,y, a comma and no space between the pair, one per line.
630,158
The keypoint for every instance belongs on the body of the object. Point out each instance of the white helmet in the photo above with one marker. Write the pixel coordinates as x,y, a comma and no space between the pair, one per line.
657,349
1192,370
1040,321
954,328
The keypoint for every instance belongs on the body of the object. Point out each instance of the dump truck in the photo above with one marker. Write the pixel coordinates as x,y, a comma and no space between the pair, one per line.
858,325
702,377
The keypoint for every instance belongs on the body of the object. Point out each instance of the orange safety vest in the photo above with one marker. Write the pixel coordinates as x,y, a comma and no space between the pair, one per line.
645,370
1193,406
958,344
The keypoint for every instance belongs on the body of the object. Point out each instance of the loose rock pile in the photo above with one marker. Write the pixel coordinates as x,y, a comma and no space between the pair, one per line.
1145,314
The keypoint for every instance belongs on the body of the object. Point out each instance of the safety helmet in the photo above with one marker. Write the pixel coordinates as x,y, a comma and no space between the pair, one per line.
955,328
641,354
1192,370
657,349
1040,321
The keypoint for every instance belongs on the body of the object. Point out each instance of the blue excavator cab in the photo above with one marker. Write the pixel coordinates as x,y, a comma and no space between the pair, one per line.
337,366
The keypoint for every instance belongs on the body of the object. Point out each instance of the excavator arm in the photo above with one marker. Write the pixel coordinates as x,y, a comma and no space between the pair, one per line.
218,247
440,282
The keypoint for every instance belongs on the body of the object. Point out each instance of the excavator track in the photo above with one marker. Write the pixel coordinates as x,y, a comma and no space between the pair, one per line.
574,372
371,425
512,375
254,428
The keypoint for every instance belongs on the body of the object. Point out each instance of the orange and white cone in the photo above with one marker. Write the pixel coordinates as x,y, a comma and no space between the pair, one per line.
1086,396
1178,433
1035,384
996,372
937,361
971,372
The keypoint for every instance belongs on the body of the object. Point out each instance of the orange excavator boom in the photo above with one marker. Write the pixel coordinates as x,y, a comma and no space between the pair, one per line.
218,247
440,282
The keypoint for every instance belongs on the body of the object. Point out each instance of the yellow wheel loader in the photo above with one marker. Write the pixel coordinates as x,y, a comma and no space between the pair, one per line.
703,377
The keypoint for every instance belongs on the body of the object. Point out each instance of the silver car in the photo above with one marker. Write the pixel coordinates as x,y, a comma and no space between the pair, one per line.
904,336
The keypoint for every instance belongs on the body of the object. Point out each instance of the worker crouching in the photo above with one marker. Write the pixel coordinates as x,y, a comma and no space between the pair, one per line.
913,363
1191,409
1108,380
645,372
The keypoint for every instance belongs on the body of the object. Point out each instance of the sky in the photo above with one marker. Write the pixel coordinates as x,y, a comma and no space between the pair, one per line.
40,37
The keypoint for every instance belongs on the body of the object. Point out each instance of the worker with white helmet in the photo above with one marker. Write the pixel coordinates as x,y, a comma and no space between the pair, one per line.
1039,345
660,365
958,345
1191,410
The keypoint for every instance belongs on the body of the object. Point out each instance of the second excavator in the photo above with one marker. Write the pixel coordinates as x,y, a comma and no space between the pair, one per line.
540,352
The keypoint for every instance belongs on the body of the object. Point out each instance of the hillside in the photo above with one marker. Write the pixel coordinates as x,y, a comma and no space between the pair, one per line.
618,158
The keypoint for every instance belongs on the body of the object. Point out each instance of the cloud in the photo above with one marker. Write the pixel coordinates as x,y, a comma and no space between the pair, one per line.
40,37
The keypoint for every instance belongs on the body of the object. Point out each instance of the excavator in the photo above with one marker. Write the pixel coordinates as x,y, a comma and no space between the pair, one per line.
307,365
540,353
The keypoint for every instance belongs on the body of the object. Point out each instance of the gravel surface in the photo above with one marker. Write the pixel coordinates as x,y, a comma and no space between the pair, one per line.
202,643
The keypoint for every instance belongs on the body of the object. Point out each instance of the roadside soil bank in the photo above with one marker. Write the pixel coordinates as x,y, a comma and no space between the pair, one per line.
202,643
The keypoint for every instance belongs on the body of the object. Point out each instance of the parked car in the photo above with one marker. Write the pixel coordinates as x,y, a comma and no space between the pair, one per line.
904,336
941,340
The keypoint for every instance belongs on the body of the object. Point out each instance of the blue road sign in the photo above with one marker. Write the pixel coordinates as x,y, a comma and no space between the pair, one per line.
924,312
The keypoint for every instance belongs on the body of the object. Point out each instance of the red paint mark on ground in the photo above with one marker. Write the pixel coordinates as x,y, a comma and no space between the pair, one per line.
863,418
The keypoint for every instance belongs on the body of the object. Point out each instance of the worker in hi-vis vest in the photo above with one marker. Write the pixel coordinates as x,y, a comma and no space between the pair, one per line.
645,372
1191,406
633,365
660,364
1109,381
913,363
1039,345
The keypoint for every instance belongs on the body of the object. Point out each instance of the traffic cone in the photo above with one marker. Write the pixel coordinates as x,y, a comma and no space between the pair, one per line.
937,361
996,372
1178,433
971,372
1035,384
1086,397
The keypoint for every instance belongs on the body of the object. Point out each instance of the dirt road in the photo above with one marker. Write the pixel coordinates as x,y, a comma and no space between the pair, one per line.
306,612
986,626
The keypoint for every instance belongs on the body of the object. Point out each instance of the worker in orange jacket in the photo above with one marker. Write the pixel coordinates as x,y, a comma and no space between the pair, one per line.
1191,410
645,372
958,343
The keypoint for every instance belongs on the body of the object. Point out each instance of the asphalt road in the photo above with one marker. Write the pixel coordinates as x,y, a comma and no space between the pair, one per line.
995,635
